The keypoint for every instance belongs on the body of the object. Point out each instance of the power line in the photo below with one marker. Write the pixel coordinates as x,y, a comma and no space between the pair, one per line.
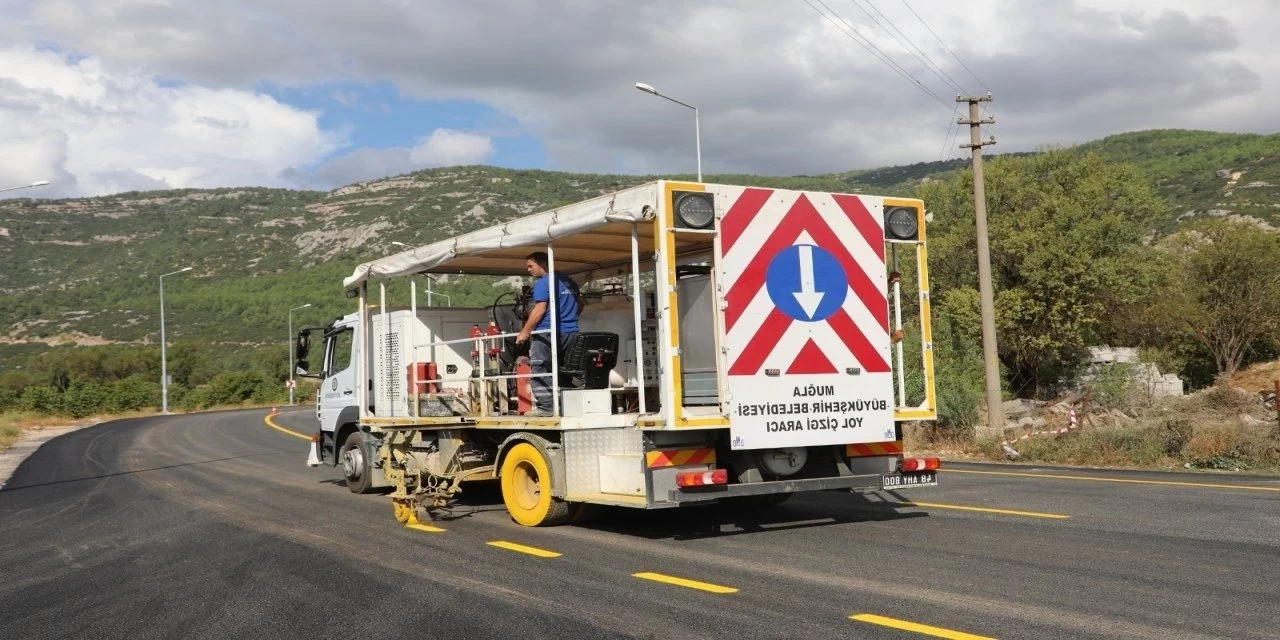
875,51
905,47
944,46
950,51
947,136
928,62
956,135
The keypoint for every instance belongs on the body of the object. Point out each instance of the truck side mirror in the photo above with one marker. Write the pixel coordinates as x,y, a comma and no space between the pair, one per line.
302,346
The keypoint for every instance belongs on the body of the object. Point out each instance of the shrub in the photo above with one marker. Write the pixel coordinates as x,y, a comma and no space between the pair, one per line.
133,393
1229,447
9,399
40,399
1174,435
231,388
84,399
1116,386
1224,397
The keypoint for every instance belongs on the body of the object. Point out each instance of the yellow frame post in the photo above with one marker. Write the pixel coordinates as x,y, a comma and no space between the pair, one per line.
926,324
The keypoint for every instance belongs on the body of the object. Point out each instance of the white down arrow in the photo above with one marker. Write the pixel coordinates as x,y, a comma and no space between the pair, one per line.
809,298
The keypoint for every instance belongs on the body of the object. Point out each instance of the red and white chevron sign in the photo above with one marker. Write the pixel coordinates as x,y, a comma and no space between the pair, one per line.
806,317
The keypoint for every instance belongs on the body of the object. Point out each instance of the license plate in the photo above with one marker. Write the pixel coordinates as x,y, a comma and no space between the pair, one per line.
899,481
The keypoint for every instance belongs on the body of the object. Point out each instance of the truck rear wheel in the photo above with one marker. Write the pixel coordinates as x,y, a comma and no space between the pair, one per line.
526,489
355,464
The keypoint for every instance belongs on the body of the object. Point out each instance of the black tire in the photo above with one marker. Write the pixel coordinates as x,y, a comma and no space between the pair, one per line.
353,458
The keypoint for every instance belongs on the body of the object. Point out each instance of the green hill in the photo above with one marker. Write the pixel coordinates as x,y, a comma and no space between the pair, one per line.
85,270
1201,173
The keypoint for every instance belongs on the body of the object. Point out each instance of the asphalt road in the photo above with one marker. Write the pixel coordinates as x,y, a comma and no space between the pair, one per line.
212,526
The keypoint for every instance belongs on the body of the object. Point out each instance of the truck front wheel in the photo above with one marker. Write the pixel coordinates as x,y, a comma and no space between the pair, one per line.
355,464
526,489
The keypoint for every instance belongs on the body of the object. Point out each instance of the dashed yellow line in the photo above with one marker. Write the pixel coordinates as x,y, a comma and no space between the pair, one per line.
683,582
1203,485
937,632
425,527
533,551
271,423
1007,512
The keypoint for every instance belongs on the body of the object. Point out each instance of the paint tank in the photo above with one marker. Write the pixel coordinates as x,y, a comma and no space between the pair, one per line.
614,315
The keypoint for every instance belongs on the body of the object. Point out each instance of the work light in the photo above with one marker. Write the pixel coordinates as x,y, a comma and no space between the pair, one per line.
694,209
902,223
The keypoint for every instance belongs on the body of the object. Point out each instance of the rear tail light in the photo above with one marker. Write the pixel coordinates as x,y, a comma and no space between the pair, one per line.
920,464
702,478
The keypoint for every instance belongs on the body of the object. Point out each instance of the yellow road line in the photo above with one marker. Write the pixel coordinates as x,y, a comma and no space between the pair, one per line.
271,423
1203,485
937,632
425,527
682,582
533,551
1007,512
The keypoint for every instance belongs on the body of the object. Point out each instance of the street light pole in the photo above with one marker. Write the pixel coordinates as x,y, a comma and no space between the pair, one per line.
164,358
38,183
697,126
291,353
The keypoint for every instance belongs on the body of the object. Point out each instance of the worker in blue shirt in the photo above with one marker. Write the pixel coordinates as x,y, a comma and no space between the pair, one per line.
568,304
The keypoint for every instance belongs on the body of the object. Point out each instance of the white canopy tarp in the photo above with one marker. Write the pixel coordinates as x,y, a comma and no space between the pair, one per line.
597,232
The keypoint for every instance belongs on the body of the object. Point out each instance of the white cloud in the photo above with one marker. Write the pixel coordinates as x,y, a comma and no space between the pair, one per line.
780,90
94,129
34,157
446,147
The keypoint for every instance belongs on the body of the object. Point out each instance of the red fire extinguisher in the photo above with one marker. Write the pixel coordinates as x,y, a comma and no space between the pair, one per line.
494,347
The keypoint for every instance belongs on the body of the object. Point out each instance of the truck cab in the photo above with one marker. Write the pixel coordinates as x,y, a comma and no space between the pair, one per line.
344,440
337,406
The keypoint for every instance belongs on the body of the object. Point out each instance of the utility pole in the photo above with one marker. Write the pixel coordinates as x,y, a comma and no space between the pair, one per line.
990,360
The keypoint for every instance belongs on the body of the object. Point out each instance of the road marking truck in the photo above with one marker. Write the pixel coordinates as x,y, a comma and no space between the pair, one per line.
735,344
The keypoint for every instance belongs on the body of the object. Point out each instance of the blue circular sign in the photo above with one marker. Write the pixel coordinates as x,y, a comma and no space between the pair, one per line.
806,282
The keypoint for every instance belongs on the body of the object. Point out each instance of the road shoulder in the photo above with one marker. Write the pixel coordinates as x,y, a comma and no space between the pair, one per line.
30,441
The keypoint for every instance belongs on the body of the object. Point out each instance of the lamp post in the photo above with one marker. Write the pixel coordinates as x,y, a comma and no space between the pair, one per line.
164,360
291,344
697,129
430,293
38,183
449,300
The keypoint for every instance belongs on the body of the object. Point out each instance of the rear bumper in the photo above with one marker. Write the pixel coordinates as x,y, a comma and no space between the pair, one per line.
715,492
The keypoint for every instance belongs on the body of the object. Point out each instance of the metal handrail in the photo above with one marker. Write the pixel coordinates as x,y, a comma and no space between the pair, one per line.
483,377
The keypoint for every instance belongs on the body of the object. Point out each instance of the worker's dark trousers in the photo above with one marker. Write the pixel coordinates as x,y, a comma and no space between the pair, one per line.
540,361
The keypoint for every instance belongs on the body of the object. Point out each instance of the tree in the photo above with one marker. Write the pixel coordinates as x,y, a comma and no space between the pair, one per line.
1065,229
1224,289
190,363
273,362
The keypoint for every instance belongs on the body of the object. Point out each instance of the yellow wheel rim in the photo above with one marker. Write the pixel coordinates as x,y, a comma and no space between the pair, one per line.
526,485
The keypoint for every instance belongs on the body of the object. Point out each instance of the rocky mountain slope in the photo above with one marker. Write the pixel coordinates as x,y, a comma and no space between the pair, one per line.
85,270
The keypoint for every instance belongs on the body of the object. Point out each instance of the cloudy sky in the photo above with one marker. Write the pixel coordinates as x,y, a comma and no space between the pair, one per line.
102,96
